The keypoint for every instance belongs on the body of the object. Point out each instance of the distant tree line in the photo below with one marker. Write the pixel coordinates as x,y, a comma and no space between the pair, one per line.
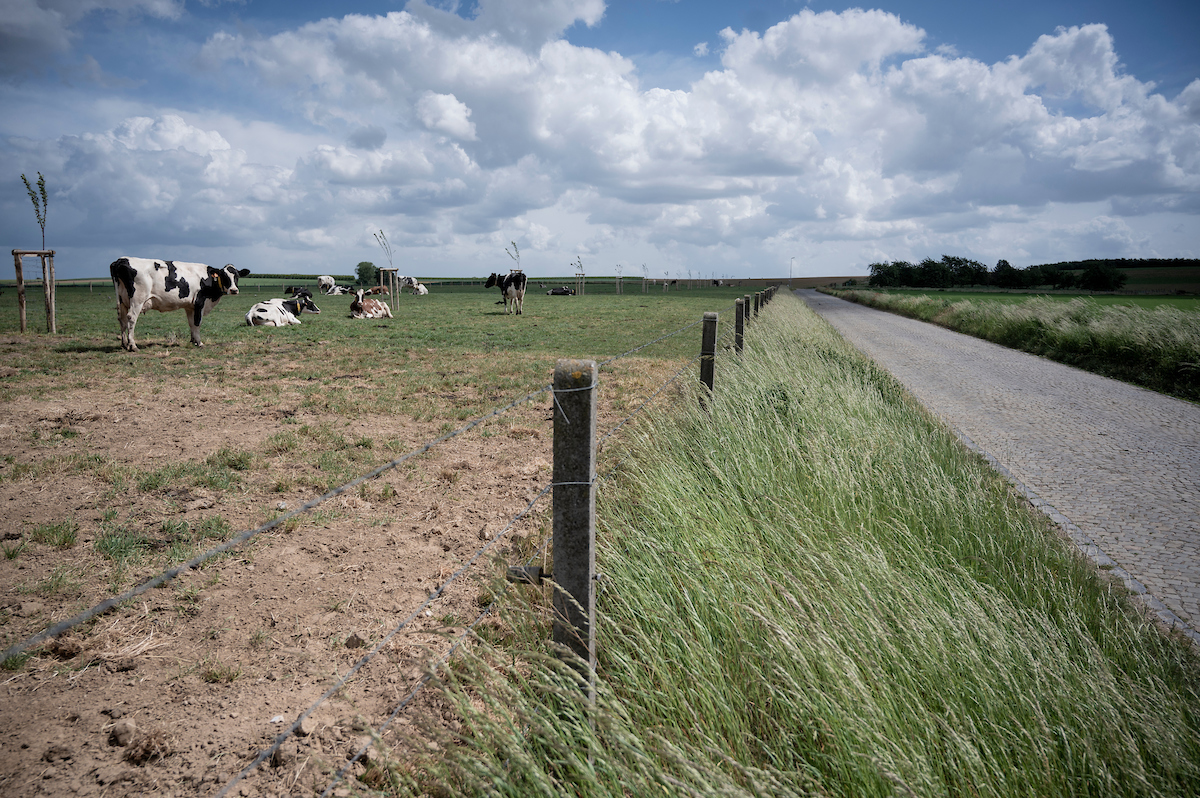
1126,263
953,271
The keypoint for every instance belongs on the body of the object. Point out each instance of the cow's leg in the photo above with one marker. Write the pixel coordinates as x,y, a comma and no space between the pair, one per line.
131,317
194,318
123,321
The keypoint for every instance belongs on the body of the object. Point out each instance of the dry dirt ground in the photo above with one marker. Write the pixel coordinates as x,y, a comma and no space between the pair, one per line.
177,691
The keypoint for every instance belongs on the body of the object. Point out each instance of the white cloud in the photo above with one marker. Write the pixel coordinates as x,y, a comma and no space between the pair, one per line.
445,113
700,50
838,132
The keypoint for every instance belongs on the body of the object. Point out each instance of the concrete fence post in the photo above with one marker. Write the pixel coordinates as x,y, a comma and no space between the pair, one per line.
739,325
708,352
575,510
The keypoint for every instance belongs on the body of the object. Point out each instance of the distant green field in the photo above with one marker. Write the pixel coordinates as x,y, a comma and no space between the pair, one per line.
457,317
1148,301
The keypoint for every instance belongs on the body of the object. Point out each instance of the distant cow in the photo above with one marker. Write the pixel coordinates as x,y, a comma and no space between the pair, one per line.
338,290
564,291
280,312
367,308
378,289
420,290
325,283
166,285
512,288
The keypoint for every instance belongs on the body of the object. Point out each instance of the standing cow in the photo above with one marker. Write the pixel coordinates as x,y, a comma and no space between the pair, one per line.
512,288
325,283
166,285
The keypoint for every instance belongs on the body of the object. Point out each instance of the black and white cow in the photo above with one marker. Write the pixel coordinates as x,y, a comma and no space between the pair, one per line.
512,288
368,308
564,291
165,285
325,283
280,312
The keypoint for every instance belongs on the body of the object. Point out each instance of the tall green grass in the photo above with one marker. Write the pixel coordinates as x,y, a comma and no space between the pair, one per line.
1156,348
811,588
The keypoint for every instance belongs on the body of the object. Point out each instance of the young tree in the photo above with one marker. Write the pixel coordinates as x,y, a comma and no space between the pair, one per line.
381,239
515,254
39,208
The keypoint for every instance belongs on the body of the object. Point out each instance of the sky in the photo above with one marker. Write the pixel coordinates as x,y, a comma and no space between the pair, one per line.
694,138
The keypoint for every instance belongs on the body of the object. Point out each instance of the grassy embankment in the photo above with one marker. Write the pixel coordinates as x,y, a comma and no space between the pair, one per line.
813,589
1157,348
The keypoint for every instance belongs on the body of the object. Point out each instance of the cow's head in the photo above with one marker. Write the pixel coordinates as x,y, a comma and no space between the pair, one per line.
226,278
306,305
491,281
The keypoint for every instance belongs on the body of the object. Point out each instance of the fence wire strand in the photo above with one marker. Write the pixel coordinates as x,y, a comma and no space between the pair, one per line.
279,740
648,343
428,677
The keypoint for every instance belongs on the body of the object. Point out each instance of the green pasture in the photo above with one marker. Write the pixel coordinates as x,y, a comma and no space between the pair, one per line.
1148,301
458,317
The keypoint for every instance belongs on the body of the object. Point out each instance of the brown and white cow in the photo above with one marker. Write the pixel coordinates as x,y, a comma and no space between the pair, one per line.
367,308
166,285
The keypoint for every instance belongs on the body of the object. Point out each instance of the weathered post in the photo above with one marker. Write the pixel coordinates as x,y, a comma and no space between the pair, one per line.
708,352
49,289
739,325
746,306
575,510
757,303
20,286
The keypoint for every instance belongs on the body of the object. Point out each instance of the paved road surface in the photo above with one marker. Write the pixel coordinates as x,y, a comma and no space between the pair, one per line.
1118,467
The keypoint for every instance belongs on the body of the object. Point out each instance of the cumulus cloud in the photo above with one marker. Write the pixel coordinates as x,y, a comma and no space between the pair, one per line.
837,129
445,113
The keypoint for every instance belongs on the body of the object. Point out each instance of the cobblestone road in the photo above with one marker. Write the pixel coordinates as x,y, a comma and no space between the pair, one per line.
1117,467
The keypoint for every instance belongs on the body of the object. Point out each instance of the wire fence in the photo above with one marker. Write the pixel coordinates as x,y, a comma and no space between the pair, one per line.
728,340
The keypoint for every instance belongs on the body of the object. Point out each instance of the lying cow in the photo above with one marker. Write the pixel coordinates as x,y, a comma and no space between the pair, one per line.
564,291
420,290
512,288
367,308
280,312
166,285
376,290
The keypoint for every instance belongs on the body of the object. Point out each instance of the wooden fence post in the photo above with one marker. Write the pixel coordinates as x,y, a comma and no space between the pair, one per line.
48,289
575,510
739,325
20,286
757,302
708,351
